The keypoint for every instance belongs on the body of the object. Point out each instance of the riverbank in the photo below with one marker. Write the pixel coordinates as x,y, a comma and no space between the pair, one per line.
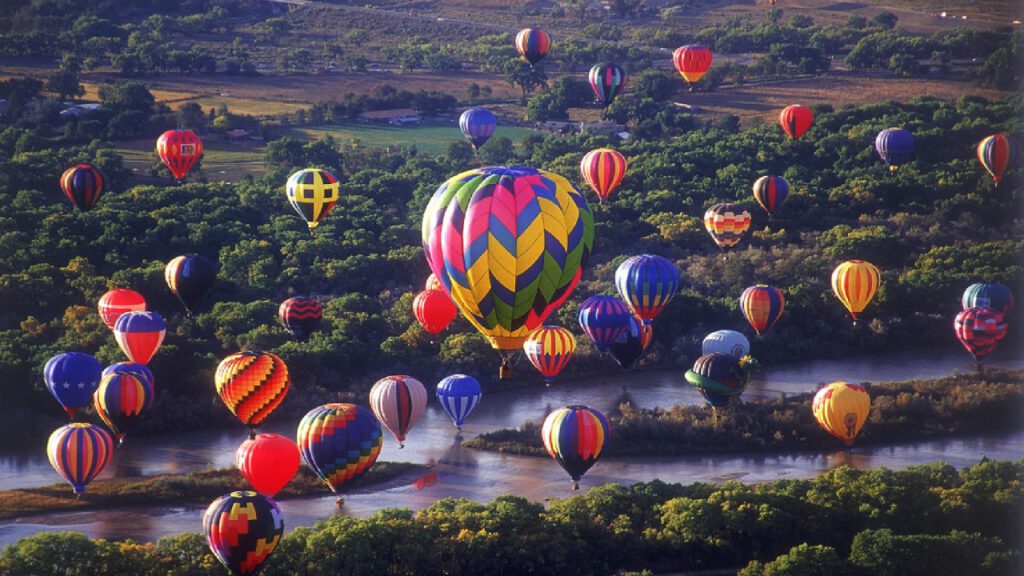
185,489
915,410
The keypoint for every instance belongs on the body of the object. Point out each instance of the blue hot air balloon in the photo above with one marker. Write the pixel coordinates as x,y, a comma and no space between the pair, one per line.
895,146
477,125
458,394
647,283
604,318
72,377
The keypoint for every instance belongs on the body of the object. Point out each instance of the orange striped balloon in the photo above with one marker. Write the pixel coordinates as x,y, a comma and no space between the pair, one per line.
549,349
726,224
855,283
79,452
252,384
603,170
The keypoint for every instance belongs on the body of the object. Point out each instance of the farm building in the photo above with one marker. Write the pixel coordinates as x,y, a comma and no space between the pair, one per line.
397,116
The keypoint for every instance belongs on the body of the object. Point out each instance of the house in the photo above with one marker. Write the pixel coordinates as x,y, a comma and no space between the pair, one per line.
602,126
237,134
395,117
78,110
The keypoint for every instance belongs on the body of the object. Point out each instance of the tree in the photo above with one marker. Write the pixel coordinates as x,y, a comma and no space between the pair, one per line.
191,117
655,85
518,72
125,96
904,64
802,560
886,20
1001,70
65,80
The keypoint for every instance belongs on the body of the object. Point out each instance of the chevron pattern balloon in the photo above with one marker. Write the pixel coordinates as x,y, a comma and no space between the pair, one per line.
339,442
252,384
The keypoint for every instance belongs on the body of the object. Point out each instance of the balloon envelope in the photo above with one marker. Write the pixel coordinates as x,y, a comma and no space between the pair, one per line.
139,334
726,342
118,301
398,402
726,224
979,330
855,282
762,306
300,315
771,192
796,120
458,394
312,192
477,125
268,462
603,170
630,345
434,310
339,442
841,409
72,377
647,283
179,150
533,44
79,452
607,80
83,185
121,400
895,146
189,277
242,529
252,384
983,295
719,378
603,319
575,436
549,349
692,61
997,154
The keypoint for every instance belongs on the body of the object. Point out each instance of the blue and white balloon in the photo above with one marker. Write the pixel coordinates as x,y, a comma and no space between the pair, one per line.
458,394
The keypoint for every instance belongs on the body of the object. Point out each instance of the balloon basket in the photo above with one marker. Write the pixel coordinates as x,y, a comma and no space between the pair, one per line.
505,372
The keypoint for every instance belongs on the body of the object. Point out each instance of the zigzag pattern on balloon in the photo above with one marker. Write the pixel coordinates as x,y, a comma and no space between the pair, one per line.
252,384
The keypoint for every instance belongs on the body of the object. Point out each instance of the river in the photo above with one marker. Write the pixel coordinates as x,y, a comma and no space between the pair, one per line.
461,472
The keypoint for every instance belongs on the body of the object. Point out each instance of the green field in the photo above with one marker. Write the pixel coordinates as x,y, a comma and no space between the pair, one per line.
428,138
221,160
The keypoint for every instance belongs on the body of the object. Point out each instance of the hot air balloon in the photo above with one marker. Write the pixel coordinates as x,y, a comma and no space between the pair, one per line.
603,319
72,377
117,302
692,62
574,436
726,342
268,462
841,409
79,452
982,295
339,442
242,529
140,334
139,370
121,400
312,193
720,378
458,394
603,170
549,349
434,310
627,347
894,146
477,125
647,283
726,224
796,120
771,192
189,277
532,44
509,245
607,80
997,153
252,384
300,316
979,330
762,305
83,185
179,150
854,283
433,283
398,402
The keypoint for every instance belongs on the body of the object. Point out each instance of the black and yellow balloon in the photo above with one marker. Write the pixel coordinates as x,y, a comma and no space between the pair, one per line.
312,192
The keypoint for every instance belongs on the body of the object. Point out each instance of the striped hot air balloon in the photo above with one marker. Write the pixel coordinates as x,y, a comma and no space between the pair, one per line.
979,330
300,316
997,154
631,344
842,409
434,310
726,224
895,146
179,150
533,44
647,283
984,295
72,377
720,378
139,370
79,452
575,436
607,80
139,334
83,185
121,400
252,384
312,192
855,283
762,305
771,192
398,402
118,301
189,277
339,442
243,529
458,394
549,349
603,170
692,62
796,120
477,125
603,319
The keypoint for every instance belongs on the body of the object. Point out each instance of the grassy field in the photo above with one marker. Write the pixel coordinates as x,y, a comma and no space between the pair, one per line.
429,138
222,160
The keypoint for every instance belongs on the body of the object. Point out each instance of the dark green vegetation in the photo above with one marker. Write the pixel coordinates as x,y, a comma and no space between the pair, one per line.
928,519
179,489
900,411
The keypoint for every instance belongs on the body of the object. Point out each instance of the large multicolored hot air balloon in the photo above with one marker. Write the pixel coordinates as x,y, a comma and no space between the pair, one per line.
138,370
647,283
771,192
118,301
979,330
398,402
477,125
139,334
83,185
631,344
603,170
983,295
762,305
268,462
842,409
312,192
895,146
607,80
189,277
796,120
720,378
252,384
603,319
692,62
339,442
121,400
726,342
549,349
855,283
574,436
72,377
242,529
300,316
434,310
79,452
179,150
458,394
997,153
509,245
532,44
726,224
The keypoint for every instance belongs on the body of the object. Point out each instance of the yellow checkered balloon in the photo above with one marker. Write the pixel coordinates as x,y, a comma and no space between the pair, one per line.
312,192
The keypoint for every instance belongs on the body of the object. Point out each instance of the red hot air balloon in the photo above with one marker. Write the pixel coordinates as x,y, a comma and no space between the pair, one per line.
140,334
268,462
979,330
179,150
692,62
83,185
118,301
300,315
434,310
997,154
796,120
603,170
